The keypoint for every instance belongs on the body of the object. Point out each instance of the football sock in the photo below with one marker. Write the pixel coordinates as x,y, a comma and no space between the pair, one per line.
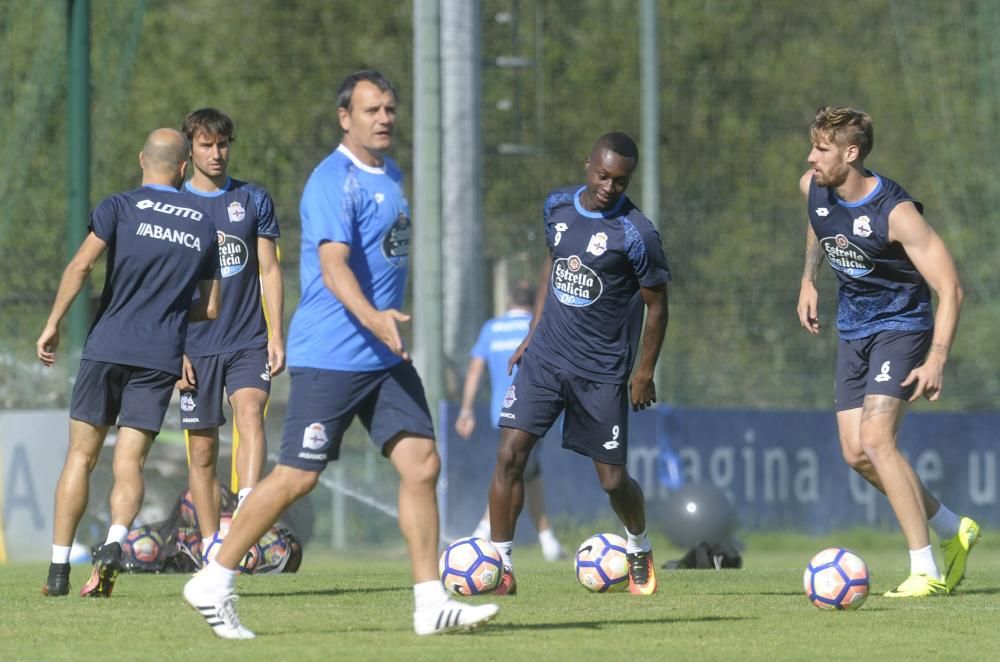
546,537
60,554
219,577
427,595
922,563
205,542
945,523
506,550
117,533
637,542
482,530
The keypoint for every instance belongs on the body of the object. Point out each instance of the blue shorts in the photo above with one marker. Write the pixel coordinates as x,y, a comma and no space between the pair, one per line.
322,404
106,393
876,365
596,422
245,368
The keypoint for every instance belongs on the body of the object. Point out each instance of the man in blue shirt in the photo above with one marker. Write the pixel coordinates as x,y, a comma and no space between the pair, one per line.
606,264
346,359
237,352
497,340
161,247
893,346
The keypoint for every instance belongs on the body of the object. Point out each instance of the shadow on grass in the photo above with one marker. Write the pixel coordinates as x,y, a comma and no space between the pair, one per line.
325,591
603,623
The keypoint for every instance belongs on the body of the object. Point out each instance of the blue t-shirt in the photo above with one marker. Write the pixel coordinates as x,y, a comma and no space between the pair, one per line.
161,242
241,212
364,207
592,319
880,289
497,341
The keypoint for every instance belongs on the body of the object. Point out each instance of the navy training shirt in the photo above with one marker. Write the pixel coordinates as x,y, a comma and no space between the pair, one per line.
161,242
879,288
592,319
241,212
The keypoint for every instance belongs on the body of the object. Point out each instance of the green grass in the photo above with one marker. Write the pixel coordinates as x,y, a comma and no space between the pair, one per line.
358,607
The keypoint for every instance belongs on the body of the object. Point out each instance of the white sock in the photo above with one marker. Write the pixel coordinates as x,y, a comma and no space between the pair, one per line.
506,550
482,530
922,563
637,542
427,595
945,523
547,538
242,494
218,576
205,542
117,533
60,554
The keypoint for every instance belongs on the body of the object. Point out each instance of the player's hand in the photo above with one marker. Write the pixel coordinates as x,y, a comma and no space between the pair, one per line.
383,324
643,391
46,345
929,379
187,382
465,423
808,307
275,355
515,358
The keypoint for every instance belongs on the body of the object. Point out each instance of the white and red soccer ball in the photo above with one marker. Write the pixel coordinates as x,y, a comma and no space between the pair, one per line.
471,566
836,578
601,564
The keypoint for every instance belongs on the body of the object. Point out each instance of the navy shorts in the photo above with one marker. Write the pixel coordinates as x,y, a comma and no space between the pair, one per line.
322,404
876,365
106,393
245,368
596,422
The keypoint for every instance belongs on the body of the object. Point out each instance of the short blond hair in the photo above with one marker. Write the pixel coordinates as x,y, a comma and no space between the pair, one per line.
844,126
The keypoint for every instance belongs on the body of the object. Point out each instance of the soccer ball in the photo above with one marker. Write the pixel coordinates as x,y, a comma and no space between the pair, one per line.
208,554
601,564
141,550
836,578
189,515
470,566
275,551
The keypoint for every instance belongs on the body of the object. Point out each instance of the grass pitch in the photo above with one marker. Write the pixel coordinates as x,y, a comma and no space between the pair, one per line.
358,606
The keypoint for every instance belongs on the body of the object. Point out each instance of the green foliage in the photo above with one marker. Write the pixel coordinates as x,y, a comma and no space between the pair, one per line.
739,83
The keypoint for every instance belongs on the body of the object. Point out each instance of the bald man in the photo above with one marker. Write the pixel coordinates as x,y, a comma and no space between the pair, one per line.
161,248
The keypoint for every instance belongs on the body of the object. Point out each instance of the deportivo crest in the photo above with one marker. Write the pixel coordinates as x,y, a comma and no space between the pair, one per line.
314,437
187,402
510,397
845,257
862,226
598,244
575,284
236,211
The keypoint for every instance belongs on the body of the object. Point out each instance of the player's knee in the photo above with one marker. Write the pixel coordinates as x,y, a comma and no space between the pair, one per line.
615,481
855,458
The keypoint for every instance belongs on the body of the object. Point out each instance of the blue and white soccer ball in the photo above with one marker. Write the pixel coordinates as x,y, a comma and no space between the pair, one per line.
211,550
471,566
836,578
601,563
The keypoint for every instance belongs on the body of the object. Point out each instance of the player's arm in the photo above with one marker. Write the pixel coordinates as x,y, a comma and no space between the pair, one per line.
653,331
543,289
466,422
273,287
207,306
932,259
73,278
340,279
808,307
